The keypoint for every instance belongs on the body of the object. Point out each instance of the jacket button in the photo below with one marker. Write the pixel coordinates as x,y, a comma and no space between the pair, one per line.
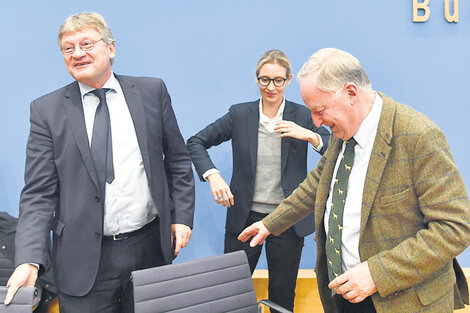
97,235
97,199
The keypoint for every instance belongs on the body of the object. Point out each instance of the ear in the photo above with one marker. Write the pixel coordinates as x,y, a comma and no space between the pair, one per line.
288,80
351,89
112,50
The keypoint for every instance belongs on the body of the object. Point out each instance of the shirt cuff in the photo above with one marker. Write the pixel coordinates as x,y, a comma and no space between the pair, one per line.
209,172
34,264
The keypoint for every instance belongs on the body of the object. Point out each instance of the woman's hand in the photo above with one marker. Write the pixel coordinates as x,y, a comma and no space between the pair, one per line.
220,190
291,129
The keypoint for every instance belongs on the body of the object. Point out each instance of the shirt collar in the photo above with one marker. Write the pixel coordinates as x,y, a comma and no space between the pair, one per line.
279,113
112,83
368,128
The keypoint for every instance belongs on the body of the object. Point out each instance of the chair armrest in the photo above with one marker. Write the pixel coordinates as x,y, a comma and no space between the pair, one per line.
274,306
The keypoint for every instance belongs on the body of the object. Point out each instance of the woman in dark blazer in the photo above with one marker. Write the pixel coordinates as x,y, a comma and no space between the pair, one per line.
270,138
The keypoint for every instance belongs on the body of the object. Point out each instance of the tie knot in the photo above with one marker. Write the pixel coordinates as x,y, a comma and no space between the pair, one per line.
351,143
100,93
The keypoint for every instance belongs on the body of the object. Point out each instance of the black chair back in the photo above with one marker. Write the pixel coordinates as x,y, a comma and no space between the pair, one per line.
217,284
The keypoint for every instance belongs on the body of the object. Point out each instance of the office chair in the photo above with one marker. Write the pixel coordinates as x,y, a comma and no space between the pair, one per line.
25,300
46,289
217,284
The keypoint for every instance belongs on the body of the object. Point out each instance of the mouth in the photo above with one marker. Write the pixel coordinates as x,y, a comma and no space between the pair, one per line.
81,64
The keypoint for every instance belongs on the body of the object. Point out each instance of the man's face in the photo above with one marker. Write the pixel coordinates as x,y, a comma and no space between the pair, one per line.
93,67
336,113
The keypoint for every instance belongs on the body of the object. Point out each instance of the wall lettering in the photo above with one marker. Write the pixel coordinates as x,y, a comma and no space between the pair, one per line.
422,12
454,18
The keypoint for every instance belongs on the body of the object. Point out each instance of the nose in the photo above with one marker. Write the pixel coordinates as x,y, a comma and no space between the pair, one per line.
317,120
78,52
271,86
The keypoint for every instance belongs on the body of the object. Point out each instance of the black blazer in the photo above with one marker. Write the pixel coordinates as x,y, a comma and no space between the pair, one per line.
240,125
61,190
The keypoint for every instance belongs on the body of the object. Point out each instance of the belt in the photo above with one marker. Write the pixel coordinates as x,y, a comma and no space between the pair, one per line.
123,236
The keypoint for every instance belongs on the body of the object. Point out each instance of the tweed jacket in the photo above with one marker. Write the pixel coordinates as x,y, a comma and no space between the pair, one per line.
415,215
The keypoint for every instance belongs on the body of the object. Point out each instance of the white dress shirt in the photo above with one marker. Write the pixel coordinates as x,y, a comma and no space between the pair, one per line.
365,137
128,204
267,122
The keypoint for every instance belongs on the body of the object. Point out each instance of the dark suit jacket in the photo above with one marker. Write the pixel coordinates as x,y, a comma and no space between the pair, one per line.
414,218
240,125
61,190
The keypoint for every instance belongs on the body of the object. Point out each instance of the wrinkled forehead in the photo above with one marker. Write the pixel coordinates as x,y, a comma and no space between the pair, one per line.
70,29
314,98
80,34
308,87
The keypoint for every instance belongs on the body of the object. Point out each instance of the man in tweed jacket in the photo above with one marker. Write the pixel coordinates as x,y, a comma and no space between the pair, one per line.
412,209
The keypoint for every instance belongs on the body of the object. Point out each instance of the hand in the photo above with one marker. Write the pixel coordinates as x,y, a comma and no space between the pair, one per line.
180,235
220,190
24,275
258,230
356,284
291,129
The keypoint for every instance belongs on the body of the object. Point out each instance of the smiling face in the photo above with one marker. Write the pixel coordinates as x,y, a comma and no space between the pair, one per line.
338,113
92,68
271,94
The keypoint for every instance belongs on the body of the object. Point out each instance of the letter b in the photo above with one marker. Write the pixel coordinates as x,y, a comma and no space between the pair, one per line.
421,6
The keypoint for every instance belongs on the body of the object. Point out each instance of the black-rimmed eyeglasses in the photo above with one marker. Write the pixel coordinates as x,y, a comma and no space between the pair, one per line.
265,81
85,45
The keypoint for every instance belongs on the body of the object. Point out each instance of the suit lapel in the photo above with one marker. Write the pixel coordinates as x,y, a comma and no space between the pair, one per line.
74,110
287,115
137,111
379,158
252,134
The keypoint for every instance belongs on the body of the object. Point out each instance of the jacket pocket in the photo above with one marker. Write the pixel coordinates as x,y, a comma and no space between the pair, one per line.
437,286
396,216
57,227
404,195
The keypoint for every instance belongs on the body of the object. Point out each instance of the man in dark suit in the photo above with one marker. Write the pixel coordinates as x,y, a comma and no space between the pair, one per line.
116,205
391,208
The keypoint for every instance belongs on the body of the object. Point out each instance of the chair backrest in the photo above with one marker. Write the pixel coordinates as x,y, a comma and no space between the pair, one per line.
215,284
25,299
7,243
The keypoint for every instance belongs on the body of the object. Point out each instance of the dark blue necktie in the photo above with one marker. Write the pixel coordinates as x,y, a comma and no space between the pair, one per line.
101,143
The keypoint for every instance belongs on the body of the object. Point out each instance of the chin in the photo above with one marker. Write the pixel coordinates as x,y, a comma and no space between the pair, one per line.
339,136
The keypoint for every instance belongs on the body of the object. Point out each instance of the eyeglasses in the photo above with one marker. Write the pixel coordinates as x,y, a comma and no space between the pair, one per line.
278,81
86,45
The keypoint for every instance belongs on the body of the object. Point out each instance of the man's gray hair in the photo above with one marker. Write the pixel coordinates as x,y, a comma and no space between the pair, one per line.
333,68
83,20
